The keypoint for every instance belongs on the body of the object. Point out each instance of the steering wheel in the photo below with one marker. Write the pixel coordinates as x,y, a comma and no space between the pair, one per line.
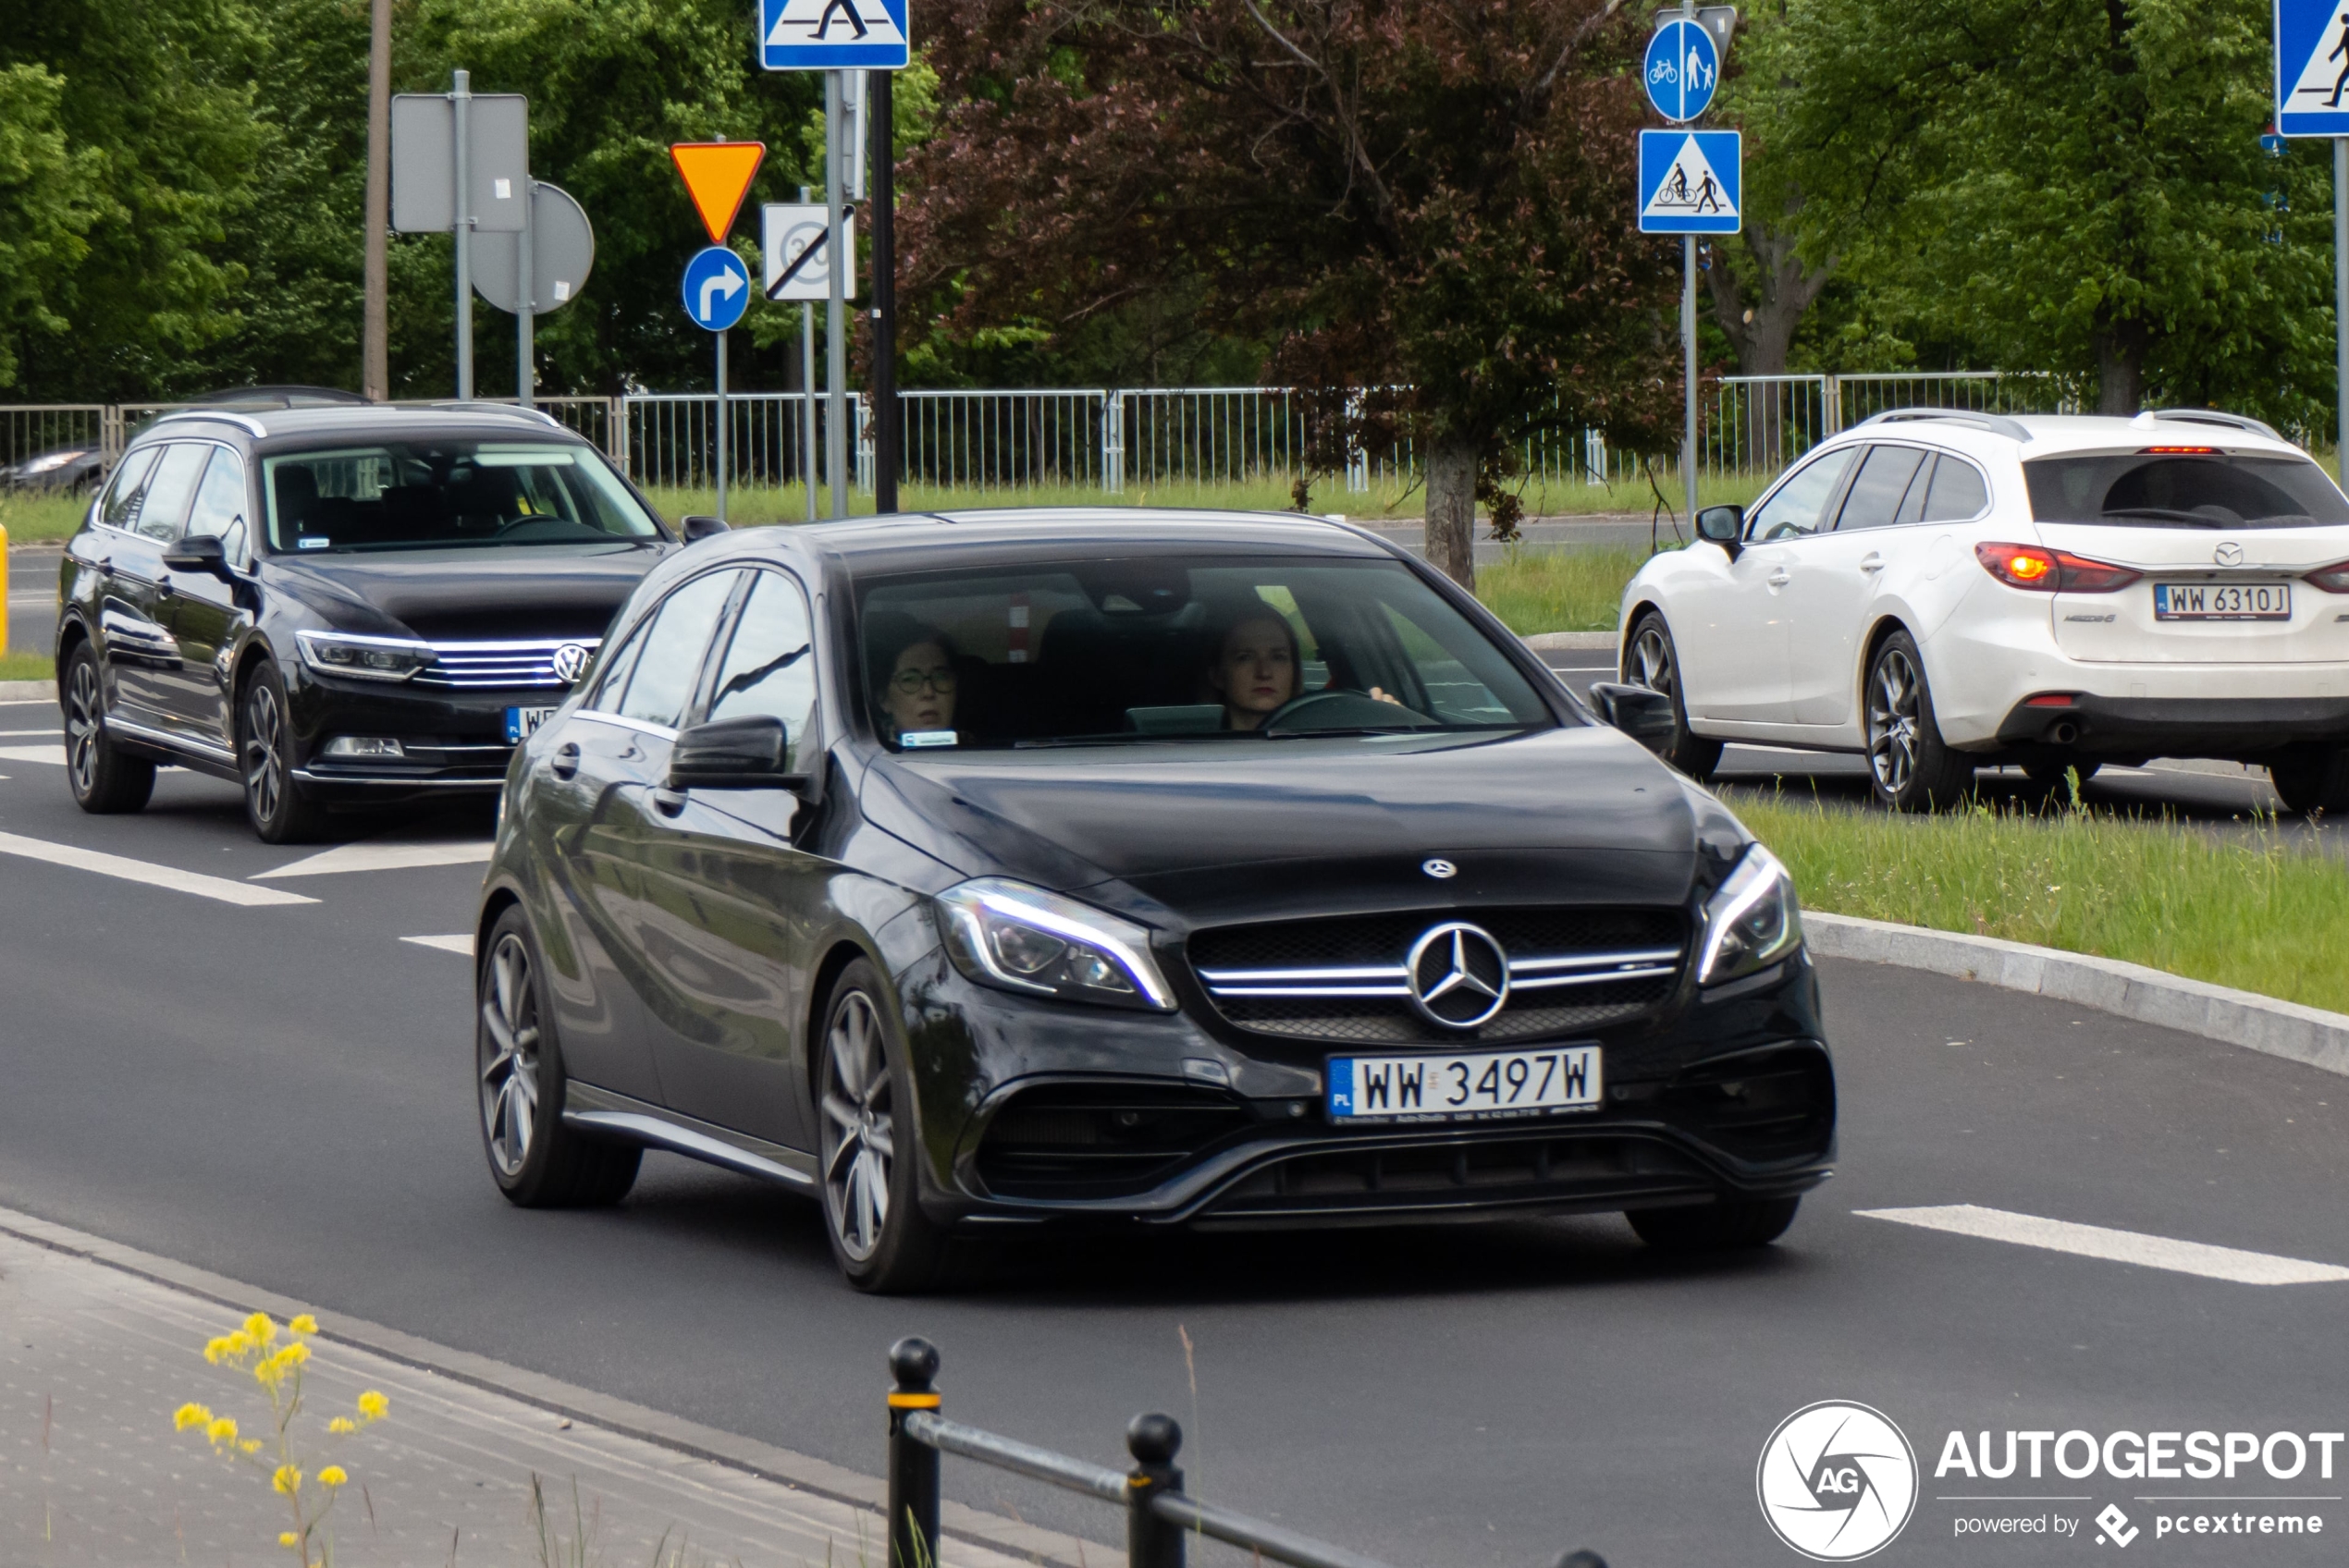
1344,708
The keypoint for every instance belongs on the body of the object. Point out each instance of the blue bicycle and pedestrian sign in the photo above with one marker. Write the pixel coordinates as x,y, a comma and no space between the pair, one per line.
1689,181
716,289
1683,68
2312,67
832,35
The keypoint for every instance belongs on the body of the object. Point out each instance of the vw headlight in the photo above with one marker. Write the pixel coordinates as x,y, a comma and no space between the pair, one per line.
1008,935
363,658
1751,921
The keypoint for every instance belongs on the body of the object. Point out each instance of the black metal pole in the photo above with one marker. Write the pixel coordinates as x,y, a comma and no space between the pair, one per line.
913,1466
882,205
1151,1541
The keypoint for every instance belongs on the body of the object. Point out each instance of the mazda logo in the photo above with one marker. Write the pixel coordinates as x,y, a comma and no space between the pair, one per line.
2227,554
1459,976
570,659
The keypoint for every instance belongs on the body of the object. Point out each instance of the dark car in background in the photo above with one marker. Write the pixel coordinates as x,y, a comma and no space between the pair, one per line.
337,606
61,470
998,872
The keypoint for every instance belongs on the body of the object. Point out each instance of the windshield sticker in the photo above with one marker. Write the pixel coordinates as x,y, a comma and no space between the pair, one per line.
313,542
928,738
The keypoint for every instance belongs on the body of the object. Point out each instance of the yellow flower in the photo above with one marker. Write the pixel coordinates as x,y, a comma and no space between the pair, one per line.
303,1324
261,1329
251,1445
294,1356
332,1475
223,1430
188,1415
288,1479
215,1349
286,1537
341,1425
373,1405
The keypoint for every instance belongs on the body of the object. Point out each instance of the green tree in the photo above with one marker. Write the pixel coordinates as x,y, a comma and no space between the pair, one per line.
44,210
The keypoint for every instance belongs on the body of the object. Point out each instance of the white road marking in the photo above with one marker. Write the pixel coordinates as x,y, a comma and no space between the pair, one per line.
2115,1246
14,733
34,754
380,857
460,945
153,875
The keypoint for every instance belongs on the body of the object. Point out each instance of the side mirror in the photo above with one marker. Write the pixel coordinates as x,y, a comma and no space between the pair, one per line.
204,553
735,753
1644,715
698,528
1724,526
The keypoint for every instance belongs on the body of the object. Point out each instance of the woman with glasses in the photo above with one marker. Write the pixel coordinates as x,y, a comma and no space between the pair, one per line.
914,676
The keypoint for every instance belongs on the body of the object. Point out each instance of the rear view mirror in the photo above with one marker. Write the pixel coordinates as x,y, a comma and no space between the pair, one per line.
699,527
735,753
1724,526
1644,715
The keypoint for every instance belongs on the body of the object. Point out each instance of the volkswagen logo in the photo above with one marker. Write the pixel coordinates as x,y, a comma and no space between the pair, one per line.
1459,976
1441,870
570,659
1837,1481
2227,554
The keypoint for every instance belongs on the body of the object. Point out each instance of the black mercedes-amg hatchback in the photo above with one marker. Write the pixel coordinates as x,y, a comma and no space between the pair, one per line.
337,606
1031,869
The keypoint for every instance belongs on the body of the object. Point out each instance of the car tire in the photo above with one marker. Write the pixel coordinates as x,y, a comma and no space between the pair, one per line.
1723,1225
1653,660
538,1159
2312,779
868,1159
105,780
1908,768
281,811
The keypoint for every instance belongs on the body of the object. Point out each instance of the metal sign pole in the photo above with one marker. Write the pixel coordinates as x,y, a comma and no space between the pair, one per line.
525,287
461,97
880,201
835,325
1688,367
2340,291
807,389
722,426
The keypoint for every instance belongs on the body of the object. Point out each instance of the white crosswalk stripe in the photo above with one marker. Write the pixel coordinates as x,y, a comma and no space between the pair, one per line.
460,944
345,858
2114,1246
168,877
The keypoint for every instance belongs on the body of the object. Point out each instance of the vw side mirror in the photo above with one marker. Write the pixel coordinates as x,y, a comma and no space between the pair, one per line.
736,753
698,527
204,553
1724,526
1644,715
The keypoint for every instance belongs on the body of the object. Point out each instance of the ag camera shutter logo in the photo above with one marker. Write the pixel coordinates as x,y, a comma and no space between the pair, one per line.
1838,1481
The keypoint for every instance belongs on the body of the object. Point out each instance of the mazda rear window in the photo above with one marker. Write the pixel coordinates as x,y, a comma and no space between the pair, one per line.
2228,490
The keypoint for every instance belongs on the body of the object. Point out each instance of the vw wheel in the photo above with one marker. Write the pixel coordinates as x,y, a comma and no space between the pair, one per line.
275,803
104,781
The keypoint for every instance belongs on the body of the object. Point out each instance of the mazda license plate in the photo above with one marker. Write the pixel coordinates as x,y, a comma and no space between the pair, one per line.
1471,1086
521,723
2222,601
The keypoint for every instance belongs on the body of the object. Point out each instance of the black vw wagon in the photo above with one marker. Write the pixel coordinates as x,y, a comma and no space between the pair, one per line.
1030,869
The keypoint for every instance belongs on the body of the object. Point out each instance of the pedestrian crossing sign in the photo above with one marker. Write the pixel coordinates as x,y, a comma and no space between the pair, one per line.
832,35
1689,181
2312,67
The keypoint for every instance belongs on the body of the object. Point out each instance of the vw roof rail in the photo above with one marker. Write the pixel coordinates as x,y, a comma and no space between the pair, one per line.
1998,425
2213,416
218,415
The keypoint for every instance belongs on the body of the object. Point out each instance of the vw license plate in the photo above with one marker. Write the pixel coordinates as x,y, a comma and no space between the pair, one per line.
2222,601
521,723
1471,1087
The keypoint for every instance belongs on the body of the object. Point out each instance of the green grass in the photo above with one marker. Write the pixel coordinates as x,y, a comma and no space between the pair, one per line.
2256,913
26,667
1577,590
29,519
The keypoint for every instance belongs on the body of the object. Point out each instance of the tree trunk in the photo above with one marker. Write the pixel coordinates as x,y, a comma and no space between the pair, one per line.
1451,511
2120,368
1761,333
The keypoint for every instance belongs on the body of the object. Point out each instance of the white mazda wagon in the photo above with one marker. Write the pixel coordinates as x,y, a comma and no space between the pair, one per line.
1942,591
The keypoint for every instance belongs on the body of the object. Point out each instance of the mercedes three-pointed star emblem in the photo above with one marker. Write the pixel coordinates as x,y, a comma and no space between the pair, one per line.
1459,976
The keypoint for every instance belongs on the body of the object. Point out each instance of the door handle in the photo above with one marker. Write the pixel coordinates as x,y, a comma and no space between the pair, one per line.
1779,579
1872,561
669,802
565,762
164,590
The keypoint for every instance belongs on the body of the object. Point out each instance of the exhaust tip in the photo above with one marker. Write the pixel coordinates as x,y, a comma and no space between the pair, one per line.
2064,732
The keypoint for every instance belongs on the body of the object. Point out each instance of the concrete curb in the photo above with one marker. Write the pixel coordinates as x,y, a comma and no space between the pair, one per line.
802,1471
1546,640
2305,1035
28,690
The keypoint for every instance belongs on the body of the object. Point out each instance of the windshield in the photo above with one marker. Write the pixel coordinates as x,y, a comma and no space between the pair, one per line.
438,494
2203,489
1104,652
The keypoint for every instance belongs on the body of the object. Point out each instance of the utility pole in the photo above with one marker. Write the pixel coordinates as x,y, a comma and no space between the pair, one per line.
1688,348
835,308
375,354
881,203
2341,293
461,97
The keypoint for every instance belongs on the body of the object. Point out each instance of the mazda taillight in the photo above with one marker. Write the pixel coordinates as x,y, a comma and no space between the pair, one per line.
2053,571
2333,579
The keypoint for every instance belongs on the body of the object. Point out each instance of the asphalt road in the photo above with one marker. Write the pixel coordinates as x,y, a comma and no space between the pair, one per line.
281,1094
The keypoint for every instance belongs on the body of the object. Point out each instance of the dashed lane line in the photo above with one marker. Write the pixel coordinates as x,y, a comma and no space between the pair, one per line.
462,945
2114,1246
34,754
48,734
381,857
152,876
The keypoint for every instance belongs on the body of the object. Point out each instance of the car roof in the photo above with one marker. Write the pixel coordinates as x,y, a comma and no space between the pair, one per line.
2043,435
1046,533
278,429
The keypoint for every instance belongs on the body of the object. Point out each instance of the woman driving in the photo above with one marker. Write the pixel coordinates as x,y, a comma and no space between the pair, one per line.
914,678
1256,668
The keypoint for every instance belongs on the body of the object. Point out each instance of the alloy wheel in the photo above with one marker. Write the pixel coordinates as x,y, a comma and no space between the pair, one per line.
1893,721
84,711
1651,659
265,751
860,1127
509,1053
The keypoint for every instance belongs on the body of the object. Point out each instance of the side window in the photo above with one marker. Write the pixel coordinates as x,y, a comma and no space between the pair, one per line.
1957,493
128,489
611,679
1795,509
1913,504
220,504
1884,480
171,489
771,664
662,682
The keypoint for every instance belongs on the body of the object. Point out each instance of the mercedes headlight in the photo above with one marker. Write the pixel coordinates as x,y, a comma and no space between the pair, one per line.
365,658
1016,938
1752,921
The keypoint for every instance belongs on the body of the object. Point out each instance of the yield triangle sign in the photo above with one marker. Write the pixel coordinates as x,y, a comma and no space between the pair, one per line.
717,174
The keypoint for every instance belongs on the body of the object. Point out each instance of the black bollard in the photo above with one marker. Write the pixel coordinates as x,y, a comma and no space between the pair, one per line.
913,1466
1152,1542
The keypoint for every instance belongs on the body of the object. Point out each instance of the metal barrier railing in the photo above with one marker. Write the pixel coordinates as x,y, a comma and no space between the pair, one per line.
1160,1515
28,430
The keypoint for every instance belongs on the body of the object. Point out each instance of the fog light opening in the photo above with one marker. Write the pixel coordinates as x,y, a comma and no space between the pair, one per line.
365,746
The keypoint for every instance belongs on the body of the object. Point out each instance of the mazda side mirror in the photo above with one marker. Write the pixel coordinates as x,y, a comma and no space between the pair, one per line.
1644,715
698,528
204,553
736,753
1724,526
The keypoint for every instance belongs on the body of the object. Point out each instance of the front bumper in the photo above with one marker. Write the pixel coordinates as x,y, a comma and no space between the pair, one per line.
453,741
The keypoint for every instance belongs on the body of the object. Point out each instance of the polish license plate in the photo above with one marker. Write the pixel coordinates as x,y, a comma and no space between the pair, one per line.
2222,601
521,723
1476,1086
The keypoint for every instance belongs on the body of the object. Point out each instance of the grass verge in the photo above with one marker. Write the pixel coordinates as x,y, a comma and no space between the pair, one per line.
26,667
2254,913
1558,590
31,520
